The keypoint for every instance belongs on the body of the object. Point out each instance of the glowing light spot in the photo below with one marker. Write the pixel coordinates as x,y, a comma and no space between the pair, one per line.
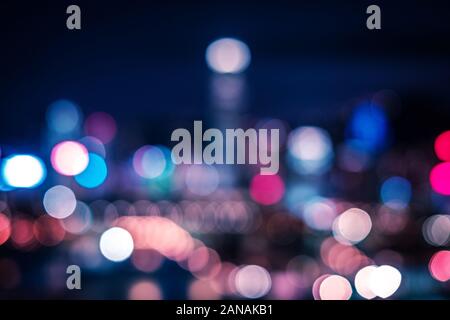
442,146
319,214
147,260
63,116
116,244
440,178
198,259
79,221
342,258
94,145
69,158
150,162
202,180
335,288
362,282
202,290
436,230
298,194
310,150
369,126
352,226
158,233
439,265
253,281
48,231
266,189
94,174
23,171
22,233
102,126
396,192
316,286
145,290
5,228
204,263
228,55
354,157
59,202
384,281
283,287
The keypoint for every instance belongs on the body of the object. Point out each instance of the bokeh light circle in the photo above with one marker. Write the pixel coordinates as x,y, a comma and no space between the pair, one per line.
102,126
436,230
116,244
59,202
439,265
253,281
335,287
369,126
48,231
94,174
5,228
319,213
23,171
228,55
202,180
396,192
144,290
352,226
384,281
79,221
149,162
362,282
310,150
440,178
69,158
442,146
63,116
267,189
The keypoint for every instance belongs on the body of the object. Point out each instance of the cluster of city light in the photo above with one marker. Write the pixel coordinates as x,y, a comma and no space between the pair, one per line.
342,258
370,282
377,281
148,233
158,233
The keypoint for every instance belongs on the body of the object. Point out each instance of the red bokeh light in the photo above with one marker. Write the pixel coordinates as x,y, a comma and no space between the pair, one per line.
5,228
442,146
102,126
22,233
440,178
266,189
48,231
440,266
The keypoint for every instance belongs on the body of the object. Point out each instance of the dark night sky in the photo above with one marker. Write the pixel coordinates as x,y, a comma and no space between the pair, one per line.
143,61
